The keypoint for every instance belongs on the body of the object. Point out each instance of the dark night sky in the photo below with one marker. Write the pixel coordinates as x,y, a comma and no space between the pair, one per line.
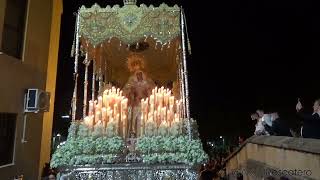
245,54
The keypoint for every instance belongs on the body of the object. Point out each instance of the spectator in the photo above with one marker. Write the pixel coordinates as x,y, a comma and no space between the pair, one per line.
46,170
52,177
207,174
311,123
279,126
239,176
240,140
260,130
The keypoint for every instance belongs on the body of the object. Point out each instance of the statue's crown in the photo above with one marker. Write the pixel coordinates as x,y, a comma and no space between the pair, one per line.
129,2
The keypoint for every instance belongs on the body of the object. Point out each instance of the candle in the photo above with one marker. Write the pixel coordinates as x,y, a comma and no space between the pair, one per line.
142,126
161,100
110,114
150,116
100,101
124,128
86,121
171,100
115,107
151,108
117,123
159,116
104,98
89,121
97,117
125,103
169,118
91,108
104,116
124,124
151,100
142,103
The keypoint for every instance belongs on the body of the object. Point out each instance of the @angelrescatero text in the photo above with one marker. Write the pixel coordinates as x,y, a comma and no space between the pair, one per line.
272,172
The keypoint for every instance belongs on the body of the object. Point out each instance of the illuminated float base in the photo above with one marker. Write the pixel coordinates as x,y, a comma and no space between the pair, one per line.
132,171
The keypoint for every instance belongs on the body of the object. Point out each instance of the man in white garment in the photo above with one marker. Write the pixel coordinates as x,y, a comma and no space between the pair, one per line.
262,120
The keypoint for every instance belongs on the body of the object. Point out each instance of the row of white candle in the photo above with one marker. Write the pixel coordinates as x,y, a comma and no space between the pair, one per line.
160,108
110,108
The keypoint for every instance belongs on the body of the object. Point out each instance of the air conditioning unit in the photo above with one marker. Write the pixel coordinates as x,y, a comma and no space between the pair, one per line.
36,100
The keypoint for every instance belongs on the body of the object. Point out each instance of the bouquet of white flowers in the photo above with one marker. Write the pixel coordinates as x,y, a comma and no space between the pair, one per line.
98,130
88,150
171,149
72,131
83,130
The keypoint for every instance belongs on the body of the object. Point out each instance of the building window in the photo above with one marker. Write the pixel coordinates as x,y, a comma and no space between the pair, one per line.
13,27
7,137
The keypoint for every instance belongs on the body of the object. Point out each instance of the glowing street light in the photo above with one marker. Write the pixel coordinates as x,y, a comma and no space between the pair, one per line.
65,117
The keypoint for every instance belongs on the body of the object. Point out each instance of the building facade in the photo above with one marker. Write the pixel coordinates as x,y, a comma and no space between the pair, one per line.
29,43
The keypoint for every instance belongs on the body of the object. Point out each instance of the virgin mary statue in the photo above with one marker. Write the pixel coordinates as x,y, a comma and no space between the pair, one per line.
139,86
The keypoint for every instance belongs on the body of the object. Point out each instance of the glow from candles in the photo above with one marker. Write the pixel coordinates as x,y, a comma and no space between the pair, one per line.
109,108
161,108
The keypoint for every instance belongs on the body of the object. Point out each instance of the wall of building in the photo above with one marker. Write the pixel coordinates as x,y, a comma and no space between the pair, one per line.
36,70
276,156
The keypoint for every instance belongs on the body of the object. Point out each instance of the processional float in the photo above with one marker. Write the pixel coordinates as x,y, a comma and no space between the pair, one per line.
136,124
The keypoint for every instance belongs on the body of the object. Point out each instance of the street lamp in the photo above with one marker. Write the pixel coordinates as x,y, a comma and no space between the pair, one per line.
65,117
222,140
59,137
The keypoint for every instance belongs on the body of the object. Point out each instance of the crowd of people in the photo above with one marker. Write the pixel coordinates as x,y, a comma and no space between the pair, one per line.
214,169
272,124
48,173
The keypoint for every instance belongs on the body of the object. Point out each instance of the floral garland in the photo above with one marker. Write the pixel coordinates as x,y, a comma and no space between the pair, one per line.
88,150
171,149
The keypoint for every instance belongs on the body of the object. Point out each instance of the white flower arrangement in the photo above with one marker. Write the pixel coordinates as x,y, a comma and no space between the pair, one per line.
83,130
111,129
163,130
175,128
72,131
92,159
150,128
87,150
171,149
98,130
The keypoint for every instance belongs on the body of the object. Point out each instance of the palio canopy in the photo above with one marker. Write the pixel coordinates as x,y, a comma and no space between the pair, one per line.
110,34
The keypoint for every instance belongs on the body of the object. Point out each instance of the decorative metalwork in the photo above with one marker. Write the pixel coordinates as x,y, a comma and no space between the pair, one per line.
93,80
133,171
74,97
85,86
185,73
129,23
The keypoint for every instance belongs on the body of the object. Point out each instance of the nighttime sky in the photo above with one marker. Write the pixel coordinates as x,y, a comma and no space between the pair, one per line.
245,55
